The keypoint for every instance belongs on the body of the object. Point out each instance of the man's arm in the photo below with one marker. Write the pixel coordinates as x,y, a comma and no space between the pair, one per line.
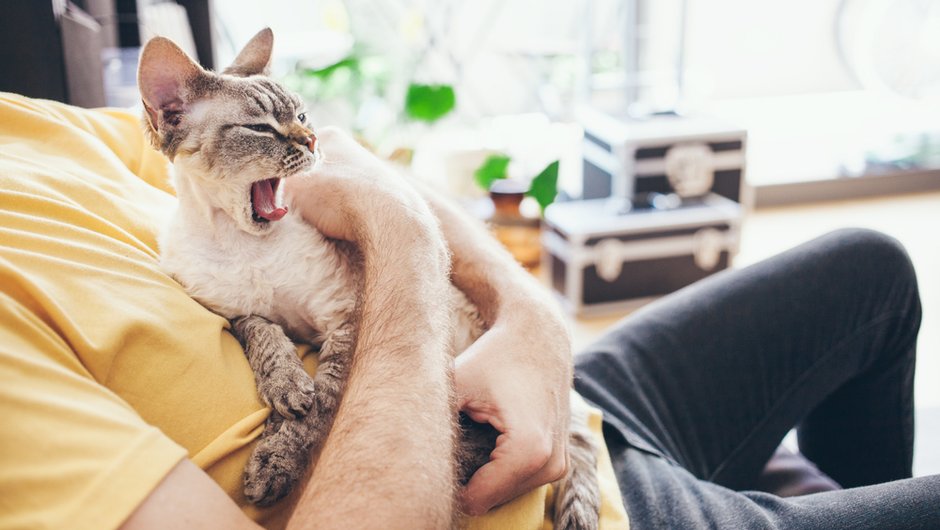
517,375
187,498
387,462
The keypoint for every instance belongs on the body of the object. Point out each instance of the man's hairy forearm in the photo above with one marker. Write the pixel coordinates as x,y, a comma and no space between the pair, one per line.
487,273
388,460
527,346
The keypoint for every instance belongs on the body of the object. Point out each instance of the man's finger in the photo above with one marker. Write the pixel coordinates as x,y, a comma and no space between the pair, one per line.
489,486
503,478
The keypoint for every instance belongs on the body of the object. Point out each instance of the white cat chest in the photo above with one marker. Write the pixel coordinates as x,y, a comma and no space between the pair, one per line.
600,260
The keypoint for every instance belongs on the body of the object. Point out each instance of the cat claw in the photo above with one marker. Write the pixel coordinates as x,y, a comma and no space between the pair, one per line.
270,474
291,392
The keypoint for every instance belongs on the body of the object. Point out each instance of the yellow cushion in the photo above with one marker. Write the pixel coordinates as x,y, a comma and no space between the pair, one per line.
111,373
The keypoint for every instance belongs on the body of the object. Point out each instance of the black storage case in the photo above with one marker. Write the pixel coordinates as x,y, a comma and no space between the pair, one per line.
624,157
600,259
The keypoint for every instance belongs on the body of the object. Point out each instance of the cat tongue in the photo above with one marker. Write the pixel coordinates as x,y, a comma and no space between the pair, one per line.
262,200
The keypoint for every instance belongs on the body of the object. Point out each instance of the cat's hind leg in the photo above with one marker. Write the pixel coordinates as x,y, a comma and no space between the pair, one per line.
330,379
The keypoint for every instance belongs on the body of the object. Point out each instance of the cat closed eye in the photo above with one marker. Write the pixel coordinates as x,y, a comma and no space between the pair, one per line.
259,127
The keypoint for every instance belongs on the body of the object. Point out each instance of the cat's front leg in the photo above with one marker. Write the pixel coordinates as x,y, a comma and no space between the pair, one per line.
279,460
279,374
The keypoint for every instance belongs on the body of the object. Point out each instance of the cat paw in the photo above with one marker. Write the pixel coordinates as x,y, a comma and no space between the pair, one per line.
290,392
271,472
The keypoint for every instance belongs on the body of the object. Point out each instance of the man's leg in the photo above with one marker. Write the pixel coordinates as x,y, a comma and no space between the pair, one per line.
661,495
711,378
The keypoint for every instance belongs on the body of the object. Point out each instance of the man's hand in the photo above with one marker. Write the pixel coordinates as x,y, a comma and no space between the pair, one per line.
515,378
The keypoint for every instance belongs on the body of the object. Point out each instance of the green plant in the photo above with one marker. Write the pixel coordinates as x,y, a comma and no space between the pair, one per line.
429,102
543,188
492,169
350,62
350,78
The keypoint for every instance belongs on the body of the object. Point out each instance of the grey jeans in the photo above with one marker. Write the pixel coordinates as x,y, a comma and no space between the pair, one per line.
699,388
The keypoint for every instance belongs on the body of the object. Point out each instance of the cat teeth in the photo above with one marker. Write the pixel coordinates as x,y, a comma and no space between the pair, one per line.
264,200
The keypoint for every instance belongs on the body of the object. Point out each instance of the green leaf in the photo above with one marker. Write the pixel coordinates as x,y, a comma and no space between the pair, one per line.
342,79
429,102
350,62
493,168
544,186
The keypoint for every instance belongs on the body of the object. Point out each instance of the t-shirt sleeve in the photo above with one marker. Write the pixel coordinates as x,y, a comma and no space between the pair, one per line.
72,453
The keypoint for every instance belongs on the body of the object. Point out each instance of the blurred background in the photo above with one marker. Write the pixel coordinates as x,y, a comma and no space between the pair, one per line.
864,73
609,143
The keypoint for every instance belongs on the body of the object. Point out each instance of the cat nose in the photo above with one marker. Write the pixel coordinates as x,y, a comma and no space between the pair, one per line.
304,136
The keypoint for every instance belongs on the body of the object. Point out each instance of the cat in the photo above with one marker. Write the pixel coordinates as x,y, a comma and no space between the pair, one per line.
236,248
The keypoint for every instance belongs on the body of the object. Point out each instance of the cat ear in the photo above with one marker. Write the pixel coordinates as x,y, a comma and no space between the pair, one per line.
255,57
164,75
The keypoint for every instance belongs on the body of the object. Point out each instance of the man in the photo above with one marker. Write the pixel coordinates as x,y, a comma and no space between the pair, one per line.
515,377
125,402
697,390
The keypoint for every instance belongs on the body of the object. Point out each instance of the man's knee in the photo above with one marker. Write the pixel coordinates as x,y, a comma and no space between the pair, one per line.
885,252
879,255
885,268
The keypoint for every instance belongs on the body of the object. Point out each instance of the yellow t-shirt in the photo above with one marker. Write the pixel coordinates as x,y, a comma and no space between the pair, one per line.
109,373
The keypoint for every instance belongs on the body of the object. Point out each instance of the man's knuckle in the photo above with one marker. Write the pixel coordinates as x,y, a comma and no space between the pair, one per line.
531,467
556,468
540,453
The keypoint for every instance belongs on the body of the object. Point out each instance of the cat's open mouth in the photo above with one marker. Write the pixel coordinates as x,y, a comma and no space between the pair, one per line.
264,206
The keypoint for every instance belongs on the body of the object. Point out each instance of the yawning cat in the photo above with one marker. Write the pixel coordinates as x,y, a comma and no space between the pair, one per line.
236,248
